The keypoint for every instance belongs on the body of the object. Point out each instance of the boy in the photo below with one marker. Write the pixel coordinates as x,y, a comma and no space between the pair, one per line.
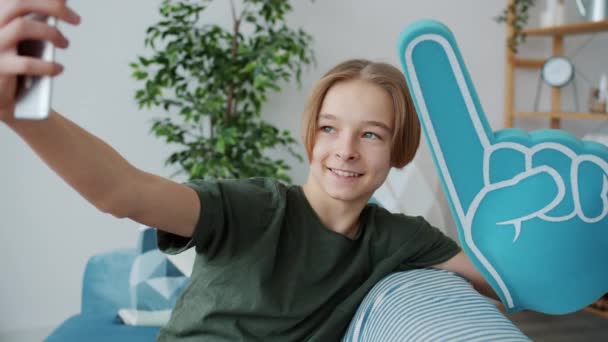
274,262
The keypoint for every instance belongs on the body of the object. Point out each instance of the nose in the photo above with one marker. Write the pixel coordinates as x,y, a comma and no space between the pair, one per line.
347,149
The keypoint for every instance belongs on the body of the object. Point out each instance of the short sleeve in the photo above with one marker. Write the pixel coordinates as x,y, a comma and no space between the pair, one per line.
234,213
432,247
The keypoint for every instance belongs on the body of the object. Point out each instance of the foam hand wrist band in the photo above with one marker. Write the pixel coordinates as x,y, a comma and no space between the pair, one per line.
531,208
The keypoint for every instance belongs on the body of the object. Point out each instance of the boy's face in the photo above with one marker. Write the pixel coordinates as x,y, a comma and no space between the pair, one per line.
351,156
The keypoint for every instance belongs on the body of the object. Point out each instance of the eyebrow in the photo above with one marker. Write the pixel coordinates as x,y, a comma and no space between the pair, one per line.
370,122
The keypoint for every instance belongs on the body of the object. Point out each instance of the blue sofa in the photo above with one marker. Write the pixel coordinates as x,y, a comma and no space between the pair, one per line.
105,289
446,304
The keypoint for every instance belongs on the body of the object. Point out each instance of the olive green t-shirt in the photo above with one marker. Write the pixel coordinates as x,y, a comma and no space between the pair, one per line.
267,269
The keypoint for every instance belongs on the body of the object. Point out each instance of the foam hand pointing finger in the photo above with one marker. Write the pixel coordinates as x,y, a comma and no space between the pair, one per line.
531,208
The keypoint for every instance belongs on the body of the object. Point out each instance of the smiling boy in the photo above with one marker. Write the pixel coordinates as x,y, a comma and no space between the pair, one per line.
293,263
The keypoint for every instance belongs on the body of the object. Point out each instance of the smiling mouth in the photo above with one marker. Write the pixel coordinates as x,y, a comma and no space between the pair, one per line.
343,173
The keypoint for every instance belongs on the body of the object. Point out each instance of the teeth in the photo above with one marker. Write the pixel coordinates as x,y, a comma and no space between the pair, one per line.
344,174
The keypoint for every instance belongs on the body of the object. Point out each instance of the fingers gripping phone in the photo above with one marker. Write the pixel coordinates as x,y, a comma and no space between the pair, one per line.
33,97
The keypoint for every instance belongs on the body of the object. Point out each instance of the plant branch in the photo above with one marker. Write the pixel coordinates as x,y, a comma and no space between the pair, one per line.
231,102
233,10
243,12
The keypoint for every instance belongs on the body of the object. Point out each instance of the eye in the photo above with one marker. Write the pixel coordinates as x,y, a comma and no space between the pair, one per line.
326,129
371,135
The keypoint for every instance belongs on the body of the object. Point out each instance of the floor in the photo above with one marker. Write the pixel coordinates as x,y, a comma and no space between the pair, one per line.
576,327
579,326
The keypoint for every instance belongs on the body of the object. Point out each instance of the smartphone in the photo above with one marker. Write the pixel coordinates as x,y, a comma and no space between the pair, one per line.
33,97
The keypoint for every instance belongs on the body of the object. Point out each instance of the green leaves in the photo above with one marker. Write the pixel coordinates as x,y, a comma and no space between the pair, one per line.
516,15
197,69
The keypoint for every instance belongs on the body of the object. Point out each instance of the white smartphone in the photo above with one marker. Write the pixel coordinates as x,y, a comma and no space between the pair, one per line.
33,97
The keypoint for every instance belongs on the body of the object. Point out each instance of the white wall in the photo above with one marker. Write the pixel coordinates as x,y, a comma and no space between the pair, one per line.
47,231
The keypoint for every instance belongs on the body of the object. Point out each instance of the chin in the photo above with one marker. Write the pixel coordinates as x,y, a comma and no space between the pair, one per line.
344,196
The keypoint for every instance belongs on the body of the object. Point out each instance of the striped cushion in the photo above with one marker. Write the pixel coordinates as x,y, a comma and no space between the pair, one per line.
428,305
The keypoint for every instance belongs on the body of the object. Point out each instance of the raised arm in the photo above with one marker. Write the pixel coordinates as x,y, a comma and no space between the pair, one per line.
106,179
462,265
85,162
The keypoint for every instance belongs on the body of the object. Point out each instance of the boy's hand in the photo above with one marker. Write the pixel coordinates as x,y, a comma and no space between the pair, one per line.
14,27
531,208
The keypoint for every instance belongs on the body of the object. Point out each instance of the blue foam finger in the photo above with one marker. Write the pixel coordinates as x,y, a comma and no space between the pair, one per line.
531,209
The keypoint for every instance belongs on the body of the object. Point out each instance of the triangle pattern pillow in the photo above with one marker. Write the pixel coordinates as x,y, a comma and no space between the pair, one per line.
155,280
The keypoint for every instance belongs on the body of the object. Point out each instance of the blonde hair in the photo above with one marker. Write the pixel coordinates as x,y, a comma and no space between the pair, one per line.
406,135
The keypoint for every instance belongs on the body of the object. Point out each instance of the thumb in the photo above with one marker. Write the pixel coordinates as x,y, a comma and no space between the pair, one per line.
529,194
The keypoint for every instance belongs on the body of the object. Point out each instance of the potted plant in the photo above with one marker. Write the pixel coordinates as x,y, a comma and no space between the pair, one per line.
516,15
213,82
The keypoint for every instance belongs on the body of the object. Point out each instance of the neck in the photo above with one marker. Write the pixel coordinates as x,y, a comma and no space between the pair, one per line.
340,216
